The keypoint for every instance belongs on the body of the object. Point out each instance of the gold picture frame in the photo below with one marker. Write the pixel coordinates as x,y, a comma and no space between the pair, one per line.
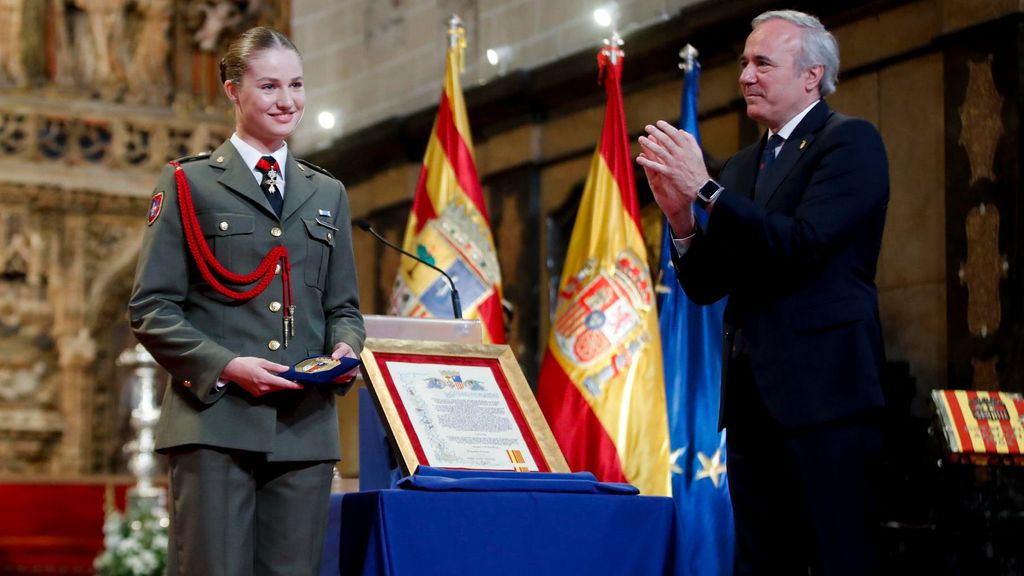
464,406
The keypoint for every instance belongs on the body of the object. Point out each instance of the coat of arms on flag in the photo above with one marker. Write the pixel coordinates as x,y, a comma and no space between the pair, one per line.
598,316
456,243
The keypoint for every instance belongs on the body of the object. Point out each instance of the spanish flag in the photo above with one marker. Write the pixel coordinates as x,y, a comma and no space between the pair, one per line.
448,226
601,384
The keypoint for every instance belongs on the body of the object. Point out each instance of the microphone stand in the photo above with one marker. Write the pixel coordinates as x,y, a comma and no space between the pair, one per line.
456,303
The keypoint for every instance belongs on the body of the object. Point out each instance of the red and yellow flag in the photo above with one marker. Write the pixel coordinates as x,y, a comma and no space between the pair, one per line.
601,384
448,225
979,422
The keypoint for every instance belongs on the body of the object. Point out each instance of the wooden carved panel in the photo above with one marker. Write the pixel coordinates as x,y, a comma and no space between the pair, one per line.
983,270
981,120
985,375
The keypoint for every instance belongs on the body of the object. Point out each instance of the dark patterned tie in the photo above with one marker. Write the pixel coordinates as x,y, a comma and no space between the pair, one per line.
768,157
761,191
270,184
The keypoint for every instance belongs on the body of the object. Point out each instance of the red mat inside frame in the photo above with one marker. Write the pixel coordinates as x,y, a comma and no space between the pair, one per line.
51,527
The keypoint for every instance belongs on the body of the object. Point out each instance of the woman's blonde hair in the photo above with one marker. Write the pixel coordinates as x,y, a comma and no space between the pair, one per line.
254,40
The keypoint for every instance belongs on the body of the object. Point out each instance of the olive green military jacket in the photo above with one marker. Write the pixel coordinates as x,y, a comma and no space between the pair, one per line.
193,331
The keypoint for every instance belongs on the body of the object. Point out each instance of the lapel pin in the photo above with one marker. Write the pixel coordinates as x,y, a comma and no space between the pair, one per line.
325,213
803,144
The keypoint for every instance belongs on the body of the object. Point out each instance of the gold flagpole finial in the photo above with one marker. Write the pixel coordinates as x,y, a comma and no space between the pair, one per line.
688,57
457,39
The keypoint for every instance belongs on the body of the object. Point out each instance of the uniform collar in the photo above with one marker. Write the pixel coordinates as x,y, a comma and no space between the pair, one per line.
251,155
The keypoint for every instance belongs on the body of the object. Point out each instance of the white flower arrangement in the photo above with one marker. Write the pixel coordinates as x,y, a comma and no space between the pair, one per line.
135,543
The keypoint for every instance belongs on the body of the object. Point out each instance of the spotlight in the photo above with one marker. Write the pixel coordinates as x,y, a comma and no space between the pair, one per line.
499,57
326,120
607,15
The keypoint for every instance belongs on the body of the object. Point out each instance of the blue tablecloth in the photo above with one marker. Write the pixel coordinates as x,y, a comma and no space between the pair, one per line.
420,533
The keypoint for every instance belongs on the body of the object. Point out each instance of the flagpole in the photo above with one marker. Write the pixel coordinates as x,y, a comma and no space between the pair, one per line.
457,38
454,25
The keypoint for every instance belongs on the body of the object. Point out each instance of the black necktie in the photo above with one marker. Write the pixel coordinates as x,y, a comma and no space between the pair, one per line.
270,184
768,157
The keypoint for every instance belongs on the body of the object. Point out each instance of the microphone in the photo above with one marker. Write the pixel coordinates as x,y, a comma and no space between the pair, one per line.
456,303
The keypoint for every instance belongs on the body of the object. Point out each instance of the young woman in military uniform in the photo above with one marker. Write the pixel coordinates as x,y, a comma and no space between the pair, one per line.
246,268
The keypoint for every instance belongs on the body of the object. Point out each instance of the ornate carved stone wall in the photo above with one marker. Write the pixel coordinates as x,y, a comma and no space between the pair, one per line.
95,95
65,257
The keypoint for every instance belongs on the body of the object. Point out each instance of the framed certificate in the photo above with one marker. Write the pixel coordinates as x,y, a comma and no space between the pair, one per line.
463,406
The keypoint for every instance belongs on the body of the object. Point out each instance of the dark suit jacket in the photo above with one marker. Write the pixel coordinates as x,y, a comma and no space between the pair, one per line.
799,268
193,331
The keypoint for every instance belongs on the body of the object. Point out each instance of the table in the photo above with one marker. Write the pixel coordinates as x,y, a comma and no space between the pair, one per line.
411,532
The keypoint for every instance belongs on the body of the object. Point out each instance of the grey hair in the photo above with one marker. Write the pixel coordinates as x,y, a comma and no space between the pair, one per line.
817,45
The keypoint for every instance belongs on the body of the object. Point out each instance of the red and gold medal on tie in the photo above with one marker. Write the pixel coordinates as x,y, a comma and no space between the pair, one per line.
269,167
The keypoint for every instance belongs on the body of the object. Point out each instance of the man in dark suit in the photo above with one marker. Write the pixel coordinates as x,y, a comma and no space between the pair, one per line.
792,239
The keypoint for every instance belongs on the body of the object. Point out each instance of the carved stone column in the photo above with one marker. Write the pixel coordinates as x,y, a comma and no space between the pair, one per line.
75,347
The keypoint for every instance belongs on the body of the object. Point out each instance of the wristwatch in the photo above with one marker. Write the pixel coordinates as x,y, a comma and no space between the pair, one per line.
708,193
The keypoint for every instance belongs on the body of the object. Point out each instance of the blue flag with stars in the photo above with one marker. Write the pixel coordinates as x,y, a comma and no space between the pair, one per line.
692,343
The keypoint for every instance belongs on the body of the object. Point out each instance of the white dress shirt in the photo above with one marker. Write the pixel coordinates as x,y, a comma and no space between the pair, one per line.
251,156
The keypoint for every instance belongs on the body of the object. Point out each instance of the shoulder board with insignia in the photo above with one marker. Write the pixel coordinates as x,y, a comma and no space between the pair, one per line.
199,156
314,167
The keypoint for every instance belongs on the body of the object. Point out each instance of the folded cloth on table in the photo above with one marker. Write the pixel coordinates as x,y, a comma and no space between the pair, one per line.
445,479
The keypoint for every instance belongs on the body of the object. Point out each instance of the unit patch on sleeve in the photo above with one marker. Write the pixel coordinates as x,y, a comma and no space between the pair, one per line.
155,206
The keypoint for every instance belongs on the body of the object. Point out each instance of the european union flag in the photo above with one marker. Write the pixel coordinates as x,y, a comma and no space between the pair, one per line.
692,343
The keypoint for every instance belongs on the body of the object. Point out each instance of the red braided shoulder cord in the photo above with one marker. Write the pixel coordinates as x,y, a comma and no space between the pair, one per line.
204,258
